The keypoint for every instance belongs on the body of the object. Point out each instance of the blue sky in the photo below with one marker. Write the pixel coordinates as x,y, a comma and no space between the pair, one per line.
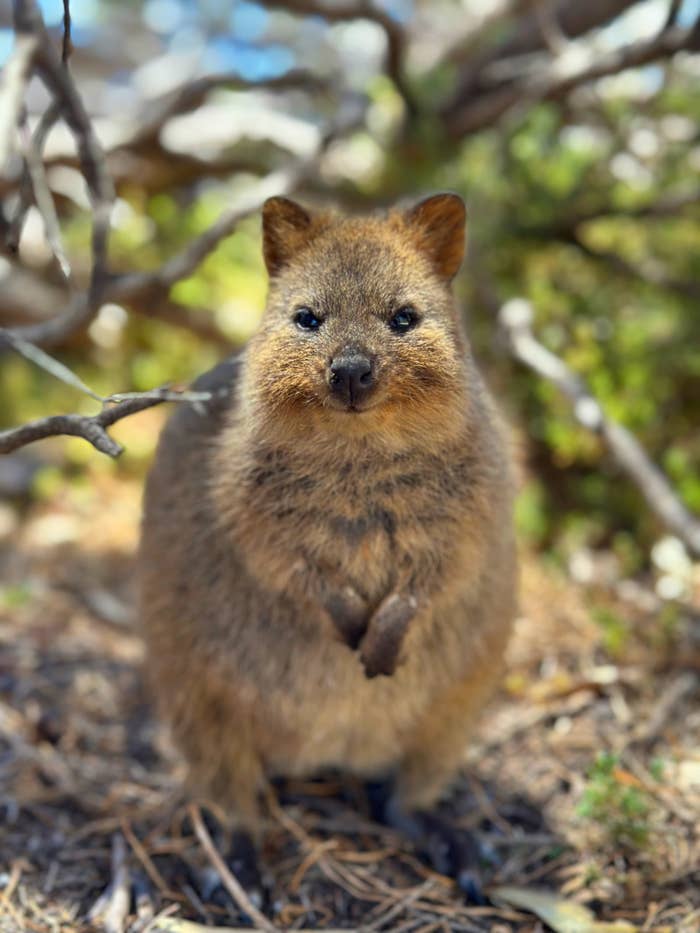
229,32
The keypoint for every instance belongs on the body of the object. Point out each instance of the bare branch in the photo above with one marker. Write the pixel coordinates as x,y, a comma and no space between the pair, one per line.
475,111
523,37
145,286
50,67
44,202
139,151
552,33
67,46
516,319
631,56
191,95
15,76
92,428
152,286
342,10
26,191
184,264
674,9
34,174
198,321
28,298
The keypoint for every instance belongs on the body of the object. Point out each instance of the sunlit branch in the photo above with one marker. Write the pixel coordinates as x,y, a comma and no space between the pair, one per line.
516,320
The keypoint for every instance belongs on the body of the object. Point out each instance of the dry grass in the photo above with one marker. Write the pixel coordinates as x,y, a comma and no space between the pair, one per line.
89,791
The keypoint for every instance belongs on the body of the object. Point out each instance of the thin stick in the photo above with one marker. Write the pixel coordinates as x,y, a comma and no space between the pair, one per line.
50,365
15,76
112,907
67,46
144,858
228,879
516,319
44,201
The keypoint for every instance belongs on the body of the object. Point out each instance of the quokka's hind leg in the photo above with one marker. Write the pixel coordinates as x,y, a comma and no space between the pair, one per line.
216,738
215,733
430,764
435,750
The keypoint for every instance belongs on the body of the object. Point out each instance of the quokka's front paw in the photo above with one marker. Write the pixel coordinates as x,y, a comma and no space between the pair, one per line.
381,645
349,613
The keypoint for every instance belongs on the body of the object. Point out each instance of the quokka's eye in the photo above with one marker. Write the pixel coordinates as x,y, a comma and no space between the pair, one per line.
306,319
403,320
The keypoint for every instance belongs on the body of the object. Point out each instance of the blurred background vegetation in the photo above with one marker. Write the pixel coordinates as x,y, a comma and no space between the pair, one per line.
580,174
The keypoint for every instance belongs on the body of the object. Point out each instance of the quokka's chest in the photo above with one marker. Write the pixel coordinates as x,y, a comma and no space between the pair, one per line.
375,522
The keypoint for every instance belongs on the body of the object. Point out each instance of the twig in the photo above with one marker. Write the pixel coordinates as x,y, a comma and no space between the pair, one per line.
552,33
342,10
67,46
144,857
91,428
36,148
112,907
185,262
26,296
44,201
37,356
674,9
151,286
488,106
682,686
399,906
516,319
228,879
15,75
26,190
57,78
57,369
149,124
140,143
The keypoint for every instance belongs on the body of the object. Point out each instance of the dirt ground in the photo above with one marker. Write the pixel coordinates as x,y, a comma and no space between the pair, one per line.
583,781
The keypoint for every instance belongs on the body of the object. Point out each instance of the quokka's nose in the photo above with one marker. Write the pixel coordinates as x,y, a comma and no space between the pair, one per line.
351,377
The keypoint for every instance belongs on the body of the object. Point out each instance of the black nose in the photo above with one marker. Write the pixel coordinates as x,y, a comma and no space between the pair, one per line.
351,377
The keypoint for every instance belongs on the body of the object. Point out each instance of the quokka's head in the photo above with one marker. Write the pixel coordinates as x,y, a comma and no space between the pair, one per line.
361,331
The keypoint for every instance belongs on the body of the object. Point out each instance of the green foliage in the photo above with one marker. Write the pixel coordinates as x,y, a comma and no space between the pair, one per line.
15,596
614,628
530,514
631,331
615,803
635,341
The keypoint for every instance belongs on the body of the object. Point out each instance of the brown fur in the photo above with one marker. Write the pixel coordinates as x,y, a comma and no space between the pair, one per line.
281,532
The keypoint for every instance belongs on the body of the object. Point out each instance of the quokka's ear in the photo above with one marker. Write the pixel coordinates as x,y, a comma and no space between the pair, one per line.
438,223
286,228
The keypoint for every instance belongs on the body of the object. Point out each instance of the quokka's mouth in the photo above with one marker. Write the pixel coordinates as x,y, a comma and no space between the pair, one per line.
354,408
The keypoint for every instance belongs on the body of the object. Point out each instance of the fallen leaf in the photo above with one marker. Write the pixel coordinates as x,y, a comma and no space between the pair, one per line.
561,915
624,777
